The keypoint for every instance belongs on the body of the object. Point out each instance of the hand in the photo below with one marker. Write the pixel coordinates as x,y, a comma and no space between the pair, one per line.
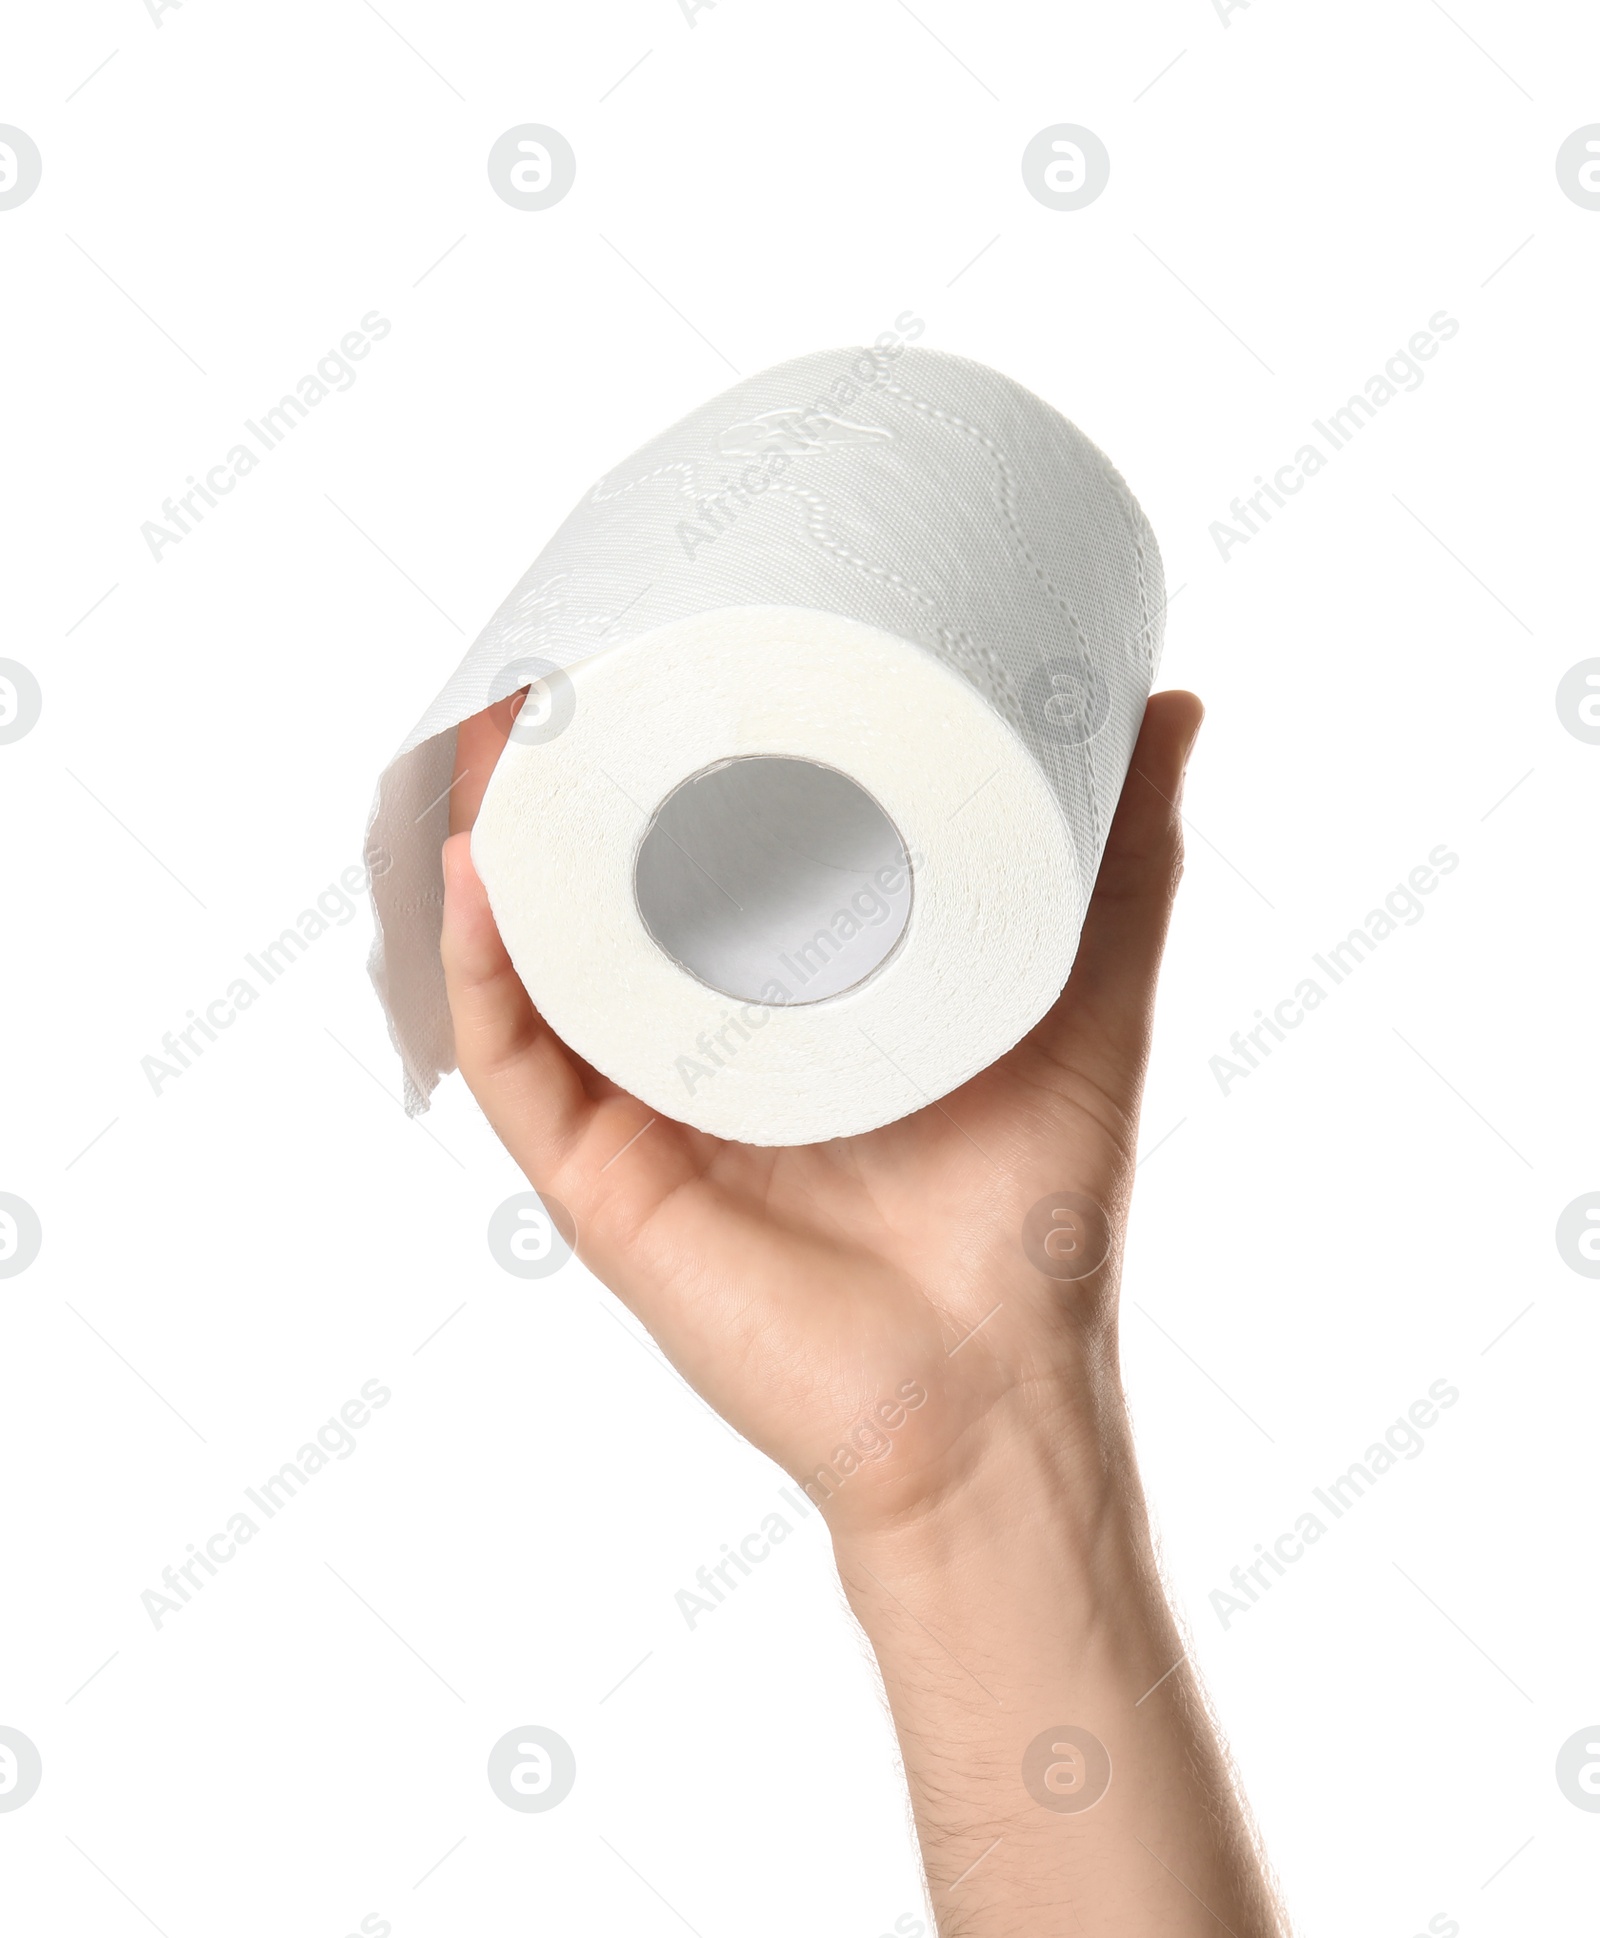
812,1294
865,1312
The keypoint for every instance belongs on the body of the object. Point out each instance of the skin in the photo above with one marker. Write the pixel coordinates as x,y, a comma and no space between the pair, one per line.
992,1535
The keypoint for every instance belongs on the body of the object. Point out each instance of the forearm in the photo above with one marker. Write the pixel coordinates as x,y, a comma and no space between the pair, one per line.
1007,1623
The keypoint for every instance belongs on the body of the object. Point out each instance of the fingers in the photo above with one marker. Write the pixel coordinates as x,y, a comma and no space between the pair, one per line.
479,744
1101,1025
515,1066
519,1071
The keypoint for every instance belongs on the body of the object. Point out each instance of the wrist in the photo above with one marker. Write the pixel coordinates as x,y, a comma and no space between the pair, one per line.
1047,1515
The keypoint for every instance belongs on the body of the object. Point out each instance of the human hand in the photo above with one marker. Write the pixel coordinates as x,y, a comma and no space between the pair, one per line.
866,1313
839,1299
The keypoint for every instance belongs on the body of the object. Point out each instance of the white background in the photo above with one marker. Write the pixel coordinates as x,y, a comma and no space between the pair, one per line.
1365,1214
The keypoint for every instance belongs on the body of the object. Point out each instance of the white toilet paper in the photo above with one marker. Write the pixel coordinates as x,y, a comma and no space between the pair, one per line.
833,689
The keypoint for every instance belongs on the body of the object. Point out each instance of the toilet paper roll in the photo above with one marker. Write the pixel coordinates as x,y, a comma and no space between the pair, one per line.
832,690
